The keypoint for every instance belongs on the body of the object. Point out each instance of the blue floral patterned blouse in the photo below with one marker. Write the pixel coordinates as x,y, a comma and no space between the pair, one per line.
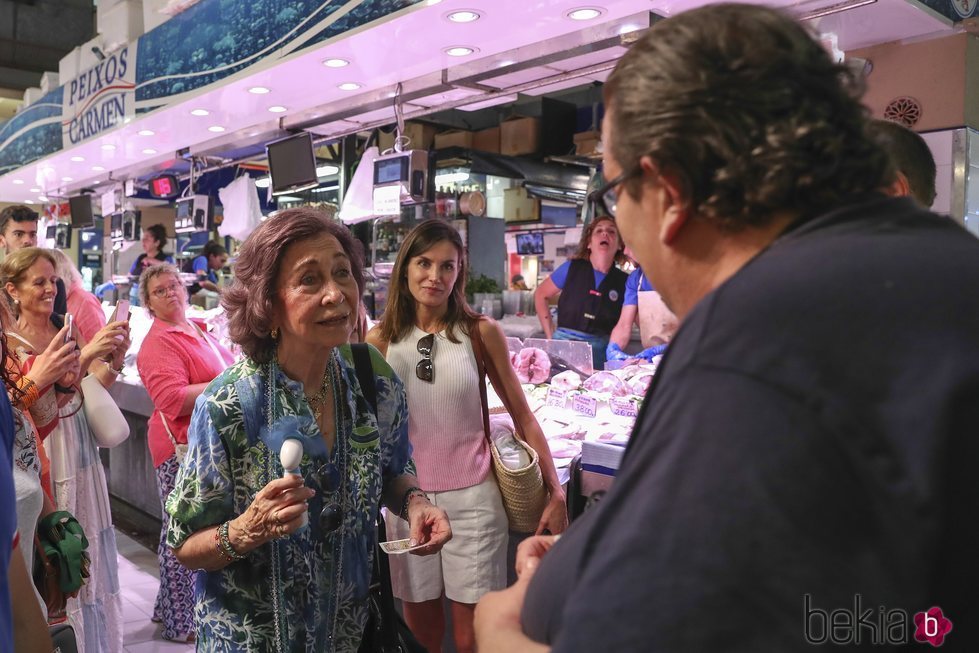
316,582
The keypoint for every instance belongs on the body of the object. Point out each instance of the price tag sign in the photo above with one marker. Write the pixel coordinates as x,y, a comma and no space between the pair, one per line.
585,405
623,407
556,397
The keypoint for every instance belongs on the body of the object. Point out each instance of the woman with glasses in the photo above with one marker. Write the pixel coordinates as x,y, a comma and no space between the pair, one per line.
592,290
176,361
425,335
77,478
287,552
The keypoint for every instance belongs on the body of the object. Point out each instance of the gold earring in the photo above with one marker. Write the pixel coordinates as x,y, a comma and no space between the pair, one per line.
274,333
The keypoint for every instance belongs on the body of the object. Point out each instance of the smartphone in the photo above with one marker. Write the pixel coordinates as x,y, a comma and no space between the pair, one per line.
70,323
121,312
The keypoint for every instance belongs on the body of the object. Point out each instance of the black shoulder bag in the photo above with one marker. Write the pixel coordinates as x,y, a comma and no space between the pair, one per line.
386,631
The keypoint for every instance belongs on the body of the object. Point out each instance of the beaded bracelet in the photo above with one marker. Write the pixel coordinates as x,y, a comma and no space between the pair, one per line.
224,544
409,493
29,391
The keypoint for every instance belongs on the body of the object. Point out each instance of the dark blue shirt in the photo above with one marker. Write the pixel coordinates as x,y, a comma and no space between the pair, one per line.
8,519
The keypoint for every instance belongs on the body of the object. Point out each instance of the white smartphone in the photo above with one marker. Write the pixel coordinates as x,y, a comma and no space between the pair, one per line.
70,323
121,312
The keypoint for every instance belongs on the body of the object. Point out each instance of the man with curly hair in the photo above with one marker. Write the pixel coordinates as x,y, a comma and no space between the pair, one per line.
805,459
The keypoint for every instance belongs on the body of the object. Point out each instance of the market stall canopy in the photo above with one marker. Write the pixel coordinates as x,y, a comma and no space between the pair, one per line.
223,75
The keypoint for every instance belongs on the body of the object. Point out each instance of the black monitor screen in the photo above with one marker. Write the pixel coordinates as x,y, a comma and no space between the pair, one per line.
115,227
62,238
81,211
531,243
292,164
51,231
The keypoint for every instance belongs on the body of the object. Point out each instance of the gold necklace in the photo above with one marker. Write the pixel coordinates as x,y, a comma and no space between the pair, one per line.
316,401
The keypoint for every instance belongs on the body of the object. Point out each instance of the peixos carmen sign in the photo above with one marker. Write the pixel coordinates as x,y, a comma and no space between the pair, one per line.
101,98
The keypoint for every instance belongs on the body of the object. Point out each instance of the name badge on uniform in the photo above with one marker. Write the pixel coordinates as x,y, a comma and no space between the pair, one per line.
613,295
589,316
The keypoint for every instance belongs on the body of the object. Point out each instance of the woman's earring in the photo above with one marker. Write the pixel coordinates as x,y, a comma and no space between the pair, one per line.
17,302
274,333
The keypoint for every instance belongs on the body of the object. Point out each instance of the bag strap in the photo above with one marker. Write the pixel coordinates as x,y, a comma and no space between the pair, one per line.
365,373
166,426
477,341
382,567
210,344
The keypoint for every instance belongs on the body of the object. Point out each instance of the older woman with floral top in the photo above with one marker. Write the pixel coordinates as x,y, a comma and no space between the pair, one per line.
287,556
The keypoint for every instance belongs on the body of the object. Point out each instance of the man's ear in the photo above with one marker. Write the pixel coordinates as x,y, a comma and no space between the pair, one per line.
671,201
900,187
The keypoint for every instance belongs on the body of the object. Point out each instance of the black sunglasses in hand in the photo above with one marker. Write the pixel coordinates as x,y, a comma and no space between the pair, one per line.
424,370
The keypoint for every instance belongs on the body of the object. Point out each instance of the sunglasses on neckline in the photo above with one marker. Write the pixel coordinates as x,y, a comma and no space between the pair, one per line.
424,370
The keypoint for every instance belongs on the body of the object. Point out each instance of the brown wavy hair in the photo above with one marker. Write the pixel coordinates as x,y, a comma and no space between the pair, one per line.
399,314
249,300
584,249
16,264
749,113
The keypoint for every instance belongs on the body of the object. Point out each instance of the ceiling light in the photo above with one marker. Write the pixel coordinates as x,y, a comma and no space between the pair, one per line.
146,132
432,2
149,150
463,16
349,86
42,198
451,178
327,170
264,182
35,190
335,63
200,112
98,169
108,146
77,159
460,51
259,90
585,13
277,109
28,202
18,181
217,129
67,179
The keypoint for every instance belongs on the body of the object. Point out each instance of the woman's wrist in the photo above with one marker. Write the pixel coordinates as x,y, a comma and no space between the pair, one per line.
29,392
413,493
112,367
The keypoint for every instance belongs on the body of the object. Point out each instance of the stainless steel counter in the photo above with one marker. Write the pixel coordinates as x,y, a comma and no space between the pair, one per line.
130,474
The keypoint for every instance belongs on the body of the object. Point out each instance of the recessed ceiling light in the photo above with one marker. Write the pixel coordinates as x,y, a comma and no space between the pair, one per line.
77,159
349,86
146,132
28,202
585,13
259,90
277,109
432,2
108,146
42,198
463,16
217,129
149,150
460,51
200,112
35,190
18,181
98,169
67,179
335,63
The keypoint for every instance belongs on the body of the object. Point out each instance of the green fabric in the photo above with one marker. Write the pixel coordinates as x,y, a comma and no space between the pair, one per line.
64,544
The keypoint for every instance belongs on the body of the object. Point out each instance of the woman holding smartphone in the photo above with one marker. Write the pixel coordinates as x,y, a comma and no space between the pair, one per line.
30,281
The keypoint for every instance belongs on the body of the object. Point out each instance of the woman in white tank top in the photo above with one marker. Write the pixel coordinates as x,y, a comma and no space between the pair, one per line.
424,334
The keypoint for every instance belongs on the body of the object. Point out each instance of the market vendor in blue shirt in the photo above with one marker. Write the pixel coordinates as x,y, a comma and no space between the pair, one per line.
642,305
213,257
591,288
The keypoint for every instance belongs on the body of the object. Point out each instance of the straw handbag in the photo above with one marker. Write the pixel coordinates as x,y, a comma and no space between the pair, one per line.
523,492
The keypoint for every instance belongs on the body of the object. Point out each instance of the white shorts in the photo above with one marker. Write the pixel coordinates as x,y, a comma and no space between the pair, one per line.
471,564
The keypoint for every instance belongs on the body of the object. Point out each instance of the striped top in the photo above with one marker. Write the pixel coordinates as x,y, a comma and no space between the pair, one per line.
445,422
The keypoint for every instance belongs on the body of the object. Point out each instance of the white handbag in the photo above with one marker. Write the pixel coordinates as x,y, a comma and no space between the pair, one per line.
107,423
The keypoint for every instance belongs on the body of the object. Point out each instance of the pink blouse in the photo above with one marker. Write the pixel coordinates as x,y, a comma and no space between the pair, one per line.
87,311
169,361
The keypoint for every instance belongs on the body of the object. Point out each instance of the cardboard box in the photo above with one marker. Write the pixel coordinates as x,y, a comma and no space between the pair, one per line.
454,138
487,140
422,137
519,207
519,136
587,143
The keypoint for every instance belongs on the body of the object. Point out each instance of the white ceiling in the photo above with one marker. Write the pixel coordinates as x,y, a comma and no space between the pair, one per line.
408,49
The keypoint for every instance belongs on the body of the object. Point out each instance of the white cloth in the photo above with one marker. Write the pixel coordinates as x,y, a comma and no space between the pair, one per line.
358,200
471,564
503,435
27,486
242,209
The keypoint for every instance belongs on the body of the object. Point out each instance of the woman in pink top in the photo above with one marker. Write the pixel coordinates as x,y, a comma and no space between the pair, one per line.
82,305
425,336
176,362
